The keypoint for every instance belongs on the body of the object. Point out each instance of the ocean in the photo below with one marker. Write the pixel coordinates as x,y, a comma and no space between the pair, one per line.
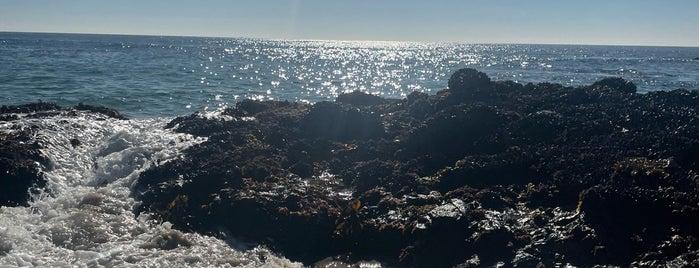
85,216
152,76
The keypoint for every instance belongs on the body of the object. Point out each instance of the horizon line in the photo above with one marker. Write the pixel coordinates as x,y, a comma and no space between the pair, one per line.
350,40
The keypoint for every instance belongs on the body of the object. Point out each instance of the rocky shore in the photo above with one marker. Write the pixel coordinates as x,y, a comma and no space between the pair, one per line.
480,174
484,172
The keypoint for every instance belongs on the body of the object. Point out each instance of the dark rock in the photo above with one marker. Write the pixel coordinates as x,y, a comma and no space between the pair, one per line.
466,80
332,121
75,142
454,133
30,108
642,207
615,83
416,96
249,107
358,98
420,108
100,110
20,160
370,174
483,173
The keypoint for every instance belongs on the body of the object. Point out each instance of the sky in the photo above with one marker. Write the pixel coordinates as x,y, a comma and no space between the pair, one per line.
609,22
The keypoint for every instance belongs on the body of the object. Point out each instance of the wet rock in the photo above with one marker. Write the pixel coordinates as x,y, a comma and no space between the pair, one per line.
420,108
454,133
171,239
465,85
514,167
335,122
468,80
20,160
358,98
416,96
615,83
29,108
369,174
100,110
482,173
645,203
75,142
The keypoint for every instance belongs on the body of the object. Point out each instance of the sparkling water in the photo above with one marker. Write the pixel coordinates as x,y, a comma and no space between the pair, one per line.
146,76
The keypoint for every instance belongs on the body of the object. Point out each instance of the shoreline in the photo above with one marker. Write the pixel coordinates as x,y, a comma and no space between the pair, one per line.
480,173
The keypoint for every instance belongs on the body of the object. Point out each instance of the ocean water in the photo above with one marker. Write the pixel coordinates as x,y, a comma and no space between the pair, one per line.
146,76
85,218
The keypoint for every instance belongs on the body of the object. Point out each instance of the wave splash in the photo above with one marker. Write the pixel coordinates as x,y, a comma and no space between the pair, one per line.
84,216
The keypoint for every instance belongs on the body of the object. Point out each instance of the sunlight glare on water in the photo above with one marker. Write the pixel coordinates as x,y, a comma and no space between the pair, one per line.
150,76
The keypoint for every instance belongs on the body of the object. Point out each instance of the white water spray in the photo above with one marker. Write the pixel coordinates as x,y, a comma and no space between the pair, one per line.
85,216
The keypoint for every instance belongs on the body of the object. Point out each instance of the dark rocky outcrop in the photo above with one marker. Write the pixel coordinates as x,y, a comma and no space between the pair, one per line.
482,173
29,108
19,168
615,83
327,120
36,109
358,98
20,157
100,110
468,80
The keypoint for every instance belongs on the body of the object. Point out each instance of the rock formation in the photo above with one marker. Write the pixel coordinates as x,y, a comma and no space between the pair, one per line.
484,172
480,174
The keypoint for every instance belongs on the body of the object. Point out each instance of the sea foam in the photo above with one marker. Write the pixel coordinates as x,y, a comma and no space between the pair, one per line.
84,217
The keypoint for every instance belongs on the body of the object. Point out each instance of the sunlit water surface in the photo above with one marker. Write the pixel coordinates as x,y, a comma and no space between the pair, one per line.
146,76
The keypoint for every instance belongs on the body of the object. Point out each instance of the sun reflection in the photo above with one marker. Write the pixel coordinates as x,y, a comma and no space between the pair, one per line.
320,70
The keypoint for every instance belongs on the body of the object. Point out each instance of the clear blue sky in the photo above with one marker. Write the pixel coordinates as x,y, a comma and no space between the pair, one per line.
639,22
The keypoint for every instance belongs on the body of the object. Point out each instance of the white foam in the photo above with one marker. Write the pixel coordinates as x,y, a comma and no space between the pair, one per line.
85,217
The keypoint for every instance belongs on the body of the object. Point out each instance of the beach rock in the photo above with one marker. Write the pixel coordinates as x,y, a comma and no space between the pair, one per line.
100,110
20,160
482,173
467,79
358,98
615,83
20,156
335,122
29,108
32,110
456,132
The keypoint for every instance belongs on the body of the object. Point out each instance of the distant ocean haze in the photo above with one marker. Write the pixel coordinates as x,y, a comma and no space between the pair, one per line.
149,76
